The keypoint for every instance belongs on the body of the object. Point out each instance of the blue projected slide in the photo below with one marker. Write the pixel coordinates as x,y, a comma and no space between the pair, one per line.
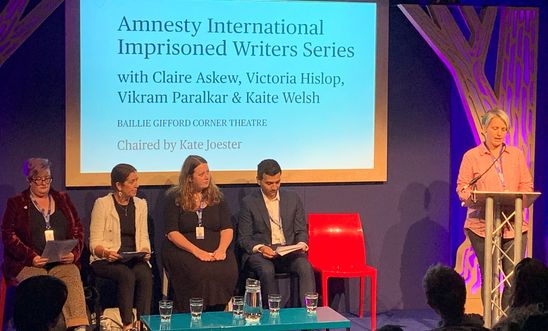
232,81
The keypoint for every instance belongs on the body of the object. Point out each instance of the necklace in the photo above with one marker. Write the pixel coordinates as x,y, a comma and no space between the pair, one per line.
43,211
124,208
121,206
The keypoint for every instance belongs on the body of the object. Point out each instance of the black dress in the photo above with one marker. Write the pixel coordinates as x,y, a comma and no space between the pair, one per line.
190,277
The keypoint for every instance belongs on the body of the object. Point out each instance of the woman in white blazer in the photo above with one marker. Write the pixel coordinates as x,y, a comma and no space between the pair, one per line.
119,243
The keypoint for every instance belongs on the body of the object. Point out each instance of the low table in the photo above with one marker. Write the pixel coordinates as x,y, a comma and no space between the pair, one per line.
286,319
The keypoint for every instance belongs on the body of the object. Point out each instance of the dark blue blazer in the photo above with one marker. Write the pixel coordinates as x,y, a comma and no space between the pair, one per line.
254,223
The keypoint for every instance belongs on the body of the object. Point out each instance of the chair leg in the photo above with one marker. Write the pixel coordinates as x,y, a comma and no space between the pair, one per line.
294,287
362,295
325,292
3,290
373,302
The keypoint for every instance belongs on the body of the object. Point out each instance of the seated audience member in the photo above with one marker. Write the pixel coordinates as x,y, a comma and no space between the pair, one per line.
446,294
536,322
38,303
270,217
31,218
528,309
119,224
196,252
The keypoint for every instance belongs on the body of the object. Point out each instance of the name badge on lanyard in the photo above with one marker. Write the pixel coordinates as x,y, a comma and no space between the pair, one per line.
48,233
200,233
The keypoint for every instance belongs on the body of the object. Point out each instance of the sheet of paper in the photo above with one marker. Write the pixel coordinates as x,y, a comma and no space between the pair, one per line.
283,250
55,249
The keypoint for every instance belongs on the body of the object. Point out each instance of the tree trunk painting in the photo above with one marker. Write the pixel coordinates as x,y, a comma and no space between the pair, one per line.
16,28
514,88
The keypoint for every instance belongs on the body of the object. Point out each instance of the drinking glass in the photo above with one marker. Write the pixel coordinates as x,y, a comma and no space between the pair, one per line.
274,302
165,308
164,325
196,307
311,301
238,306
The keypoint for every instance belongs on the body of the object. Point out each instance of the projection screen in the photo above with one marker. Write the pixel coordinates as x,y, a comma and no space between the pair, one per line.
151,82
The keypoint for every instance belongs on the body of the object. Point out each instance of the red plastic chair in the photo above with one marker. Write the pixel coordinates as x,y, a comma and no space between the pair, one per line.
3,292
4,285
337,249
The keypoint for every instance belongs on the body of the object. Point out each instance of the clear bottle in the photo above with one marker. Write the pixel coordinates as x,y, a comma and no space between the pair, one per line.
253,306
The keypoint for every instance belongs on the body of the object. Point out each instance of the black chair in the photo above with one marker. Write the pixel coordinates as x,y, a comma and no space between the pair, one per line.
100,292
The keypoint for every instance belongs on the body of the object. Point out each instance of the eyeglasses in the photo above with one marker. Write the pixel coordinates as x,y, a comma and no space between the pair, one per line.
40,180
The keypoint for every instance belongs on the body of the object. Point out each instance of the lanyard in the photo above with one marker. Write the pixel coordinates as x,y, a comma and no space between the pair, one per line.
199,212
277,223
498,168
43,211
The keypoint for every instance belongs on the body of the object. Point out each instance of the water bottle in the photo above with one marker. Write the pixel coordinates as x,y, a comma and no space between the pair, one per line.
253,306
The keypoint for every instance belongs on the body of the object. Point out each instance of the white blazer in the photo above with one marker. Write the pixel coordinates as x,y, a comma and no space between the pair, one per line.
104,229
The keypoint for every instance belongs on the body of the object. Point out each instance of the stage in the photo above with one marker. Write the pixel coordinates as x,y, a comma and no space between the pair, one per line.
409,320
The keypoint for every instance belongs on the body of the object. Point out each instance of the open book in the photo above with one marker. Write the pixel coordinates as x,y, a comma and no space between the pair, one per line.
283,250
55,249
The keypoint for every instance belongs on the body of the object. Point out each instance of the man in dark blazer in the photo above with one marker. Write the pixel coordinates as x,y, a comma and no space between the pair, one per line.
270,218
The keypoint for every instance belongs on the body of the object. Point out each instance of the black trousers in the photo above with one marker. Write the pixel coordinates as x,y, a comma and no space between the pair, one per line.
265,269
478,243
134,284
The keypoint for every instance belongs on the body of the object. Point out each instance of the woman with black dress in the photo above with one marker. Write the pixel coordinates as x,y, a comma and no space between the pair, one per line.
196,251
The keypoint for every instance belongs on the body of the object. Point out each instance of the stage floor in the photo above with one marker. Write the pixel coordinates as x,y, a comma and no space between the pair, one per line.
409,320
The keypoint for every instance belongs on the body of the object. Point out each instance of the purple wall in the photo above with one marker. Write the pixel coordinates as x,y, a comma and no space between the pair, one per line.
406,219
540,244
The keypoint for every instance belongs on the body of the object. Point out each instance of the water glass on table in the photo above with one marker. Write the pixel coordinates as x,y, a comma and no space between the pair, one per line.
196,307
166,308
274,303
164,325
311,301
238,306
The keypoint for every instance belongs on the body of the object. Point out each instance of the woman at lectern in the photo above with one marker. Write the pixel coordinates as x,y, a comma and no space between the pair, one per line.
33,217
492,166
196,252
120,244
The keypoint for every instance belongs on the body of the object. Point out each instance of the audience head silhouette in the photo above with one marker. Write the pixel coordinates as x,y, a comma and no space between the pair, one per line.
47,295
446,294
529,299
445,291
530,283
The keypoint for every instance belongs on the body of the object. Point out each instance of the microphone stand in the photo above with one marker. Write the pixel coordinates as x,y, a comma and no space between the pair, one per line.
477,178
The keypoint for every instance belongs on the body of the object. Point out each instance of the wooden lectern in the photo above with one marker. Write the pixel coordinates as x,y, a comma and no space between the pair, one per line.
495,221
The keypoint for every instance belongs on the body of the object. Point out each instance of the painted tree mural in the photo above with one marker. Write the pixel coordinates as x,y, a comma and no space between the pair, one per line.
16,25
461,37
